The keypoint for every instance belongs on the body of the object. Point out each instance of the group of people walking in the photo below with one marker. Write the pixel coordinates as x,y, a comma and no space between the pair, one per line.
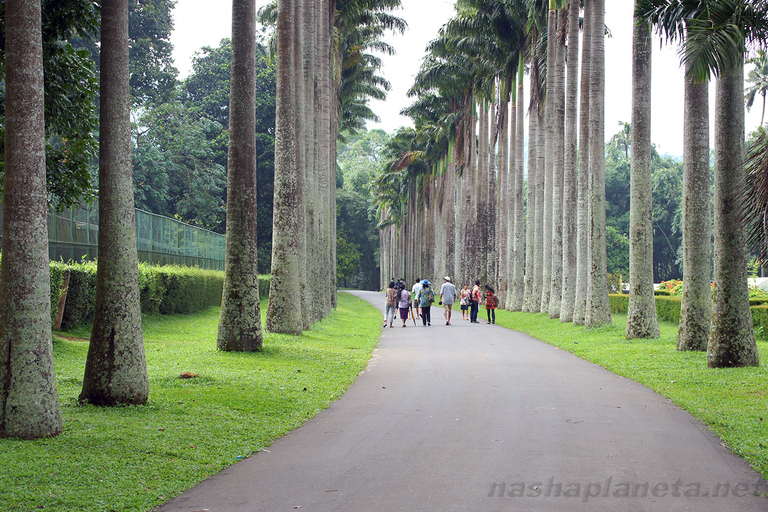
418,302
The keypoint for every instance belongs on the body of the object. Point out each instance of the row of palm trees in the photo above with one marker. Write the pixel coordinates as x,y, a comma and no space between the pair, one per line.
463,163
325,77
115,369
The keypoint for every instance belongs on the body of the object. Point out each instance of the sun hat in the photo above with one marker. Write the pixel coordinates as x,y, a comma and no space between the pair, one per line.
447,279
426,281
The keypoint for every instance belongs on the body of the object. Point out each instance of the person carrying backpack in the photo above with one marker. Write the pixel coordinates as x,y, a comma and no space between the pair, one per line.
425,298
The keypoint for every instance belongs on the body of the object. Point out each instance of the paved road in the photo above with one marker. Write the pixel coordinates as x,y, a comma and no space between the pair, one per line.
481,418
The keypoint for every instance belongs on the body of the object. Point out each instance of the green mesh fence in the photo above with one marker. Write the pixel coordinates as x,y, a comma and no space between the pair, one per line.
74,235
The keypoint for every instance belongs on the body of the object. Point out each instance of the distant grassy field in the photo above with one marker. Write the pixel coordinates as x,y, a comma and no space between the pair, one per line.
135,458
732,402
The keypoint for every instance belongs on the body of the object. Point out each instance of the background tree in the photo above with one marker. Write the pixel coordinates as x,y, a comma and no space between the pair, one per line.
29,403
116,370
205,93
758,78
71,89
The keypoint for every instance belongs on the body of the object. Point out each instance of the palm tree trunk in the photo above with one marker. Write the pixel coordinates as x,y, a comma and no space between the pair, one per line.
598,307
582,221
642,321
570,173
503,201
531,303
509,160
539,234
116,368
29,402
696,307
288,306
492,210
732,337
558,146
519,271
549,158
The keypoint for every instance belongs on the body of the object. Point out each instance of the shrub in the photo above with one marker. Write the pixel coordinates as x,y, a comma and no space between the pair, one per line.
668,308
619,302
661,293
81,294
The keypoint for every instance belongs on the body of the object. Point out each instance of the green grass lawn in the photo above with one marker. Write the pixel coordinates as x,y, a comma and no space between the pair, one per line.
135,458
732,402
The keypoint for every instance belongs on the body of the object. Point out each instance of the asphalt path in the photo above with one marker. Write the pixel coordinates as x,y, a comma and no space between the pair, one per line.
482,418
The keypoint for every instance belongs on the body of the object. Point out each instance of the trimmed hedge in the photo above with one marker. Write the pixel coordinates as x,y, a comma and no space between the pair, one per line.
668,309
167,289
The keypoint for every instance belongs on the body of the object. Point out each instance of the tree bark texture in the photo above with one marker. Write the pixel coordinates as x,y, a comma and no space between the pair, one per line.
287,304
642,321
116,369
582,219
558,146
549,160
696,307
732,337
29,402
570,172
519,270
598,307
240,322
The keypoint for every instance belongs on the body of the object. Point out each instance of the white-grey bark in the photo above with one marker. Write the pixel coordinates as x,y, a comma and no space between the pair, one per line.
29,402
116,368
642,321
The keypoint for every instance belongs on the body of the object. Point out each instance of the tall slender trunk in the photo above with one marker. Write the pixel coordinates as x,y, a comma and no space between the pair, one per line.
492,210
558,146
116,368
570,172
519,272
540,219
598,306
642,321
549,158
285,313
732,337
531,303
582,220
503,201
449,215
696,307
29,402
508,204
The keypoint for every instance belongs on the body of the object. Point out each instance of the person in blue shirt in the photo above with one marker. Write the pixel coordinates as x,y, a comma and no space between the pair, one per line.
425,298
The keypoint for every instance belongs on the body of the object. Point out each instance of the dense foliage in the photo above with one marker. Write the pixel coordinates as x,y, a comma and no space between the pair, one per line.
357,241
667,201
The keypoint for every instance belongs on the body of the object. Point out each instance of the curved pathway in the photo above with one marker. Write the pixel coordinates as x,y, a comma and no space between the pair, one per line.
482,418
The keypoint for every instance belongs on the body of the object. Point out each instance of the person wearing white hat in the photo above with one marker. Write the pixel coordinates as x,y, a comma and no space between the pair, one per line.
447,298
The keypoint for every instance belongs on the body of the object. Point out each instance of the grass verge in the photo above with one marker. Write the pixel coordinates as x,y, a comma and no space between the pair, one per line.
135,458
733,402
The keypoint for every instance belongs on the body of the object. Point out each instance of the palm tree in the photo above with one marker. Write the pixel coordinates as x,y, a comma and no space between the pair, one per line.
570,170
518,268
558,145
116,369
696,306
549,157
731,337
240,321
642,321
758,77
598,310
29,402
717,37
582,221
